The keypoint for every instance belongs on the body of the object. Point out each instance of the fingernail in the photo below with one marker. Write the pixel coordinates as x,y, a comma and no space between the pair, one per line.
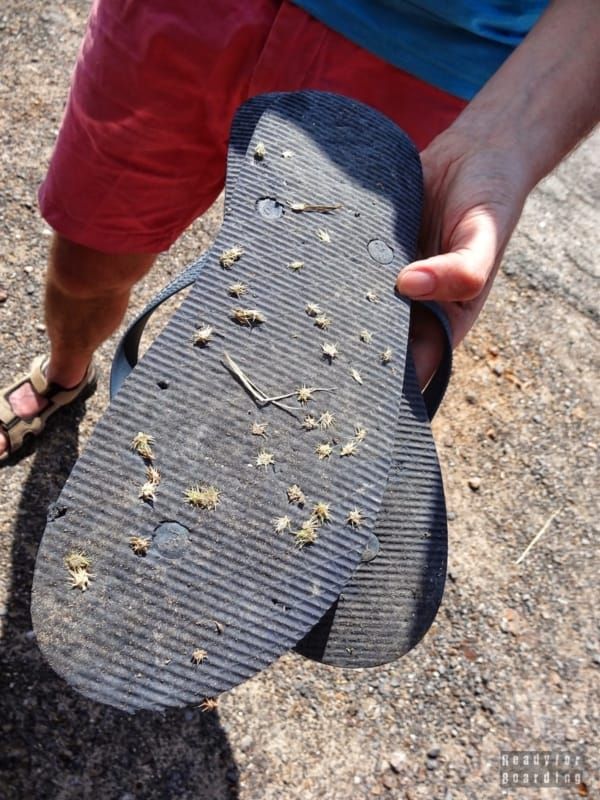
416,283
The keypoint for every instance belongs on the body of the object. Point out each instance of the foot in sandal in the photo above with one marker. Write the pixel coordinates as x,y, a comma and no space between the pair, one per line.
26,405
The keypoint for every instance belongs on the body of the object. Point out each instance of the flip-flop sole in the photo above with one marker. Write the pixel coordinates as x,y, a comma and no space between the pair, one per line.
220,583
391,600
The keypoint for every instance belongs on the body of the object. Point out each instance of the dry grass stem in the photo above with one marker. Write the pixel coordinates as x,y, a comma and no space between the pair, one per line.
539,534
300,207
356,375
259,397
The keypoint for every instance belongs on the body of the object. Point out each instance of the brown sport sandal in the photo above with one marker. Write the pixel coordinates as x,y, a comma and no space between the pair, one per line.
16,428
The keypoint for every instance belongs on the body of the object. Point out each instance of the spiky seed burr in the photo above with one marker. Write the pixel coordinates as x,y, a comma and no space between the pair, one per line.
237,289
203,336
282,524
247,316
312,309
198,656
265,459
228,257
80,579
323,450
140,545
205,497
307,534
77,559
321,512
329,350
142,445
259,429
295,495
355,518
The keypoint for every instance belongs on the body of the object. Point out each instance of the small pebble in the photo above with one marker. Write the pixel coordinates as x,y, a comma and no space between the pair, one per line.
397,760
389,780
474,483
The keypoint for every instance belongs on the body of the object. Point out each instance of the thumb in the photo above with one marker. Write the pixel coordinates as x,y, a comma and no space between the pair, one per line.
461,273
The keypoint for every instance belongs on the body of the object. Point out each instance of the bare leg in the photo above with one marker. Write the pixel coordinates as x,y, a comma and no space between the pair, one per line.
87,293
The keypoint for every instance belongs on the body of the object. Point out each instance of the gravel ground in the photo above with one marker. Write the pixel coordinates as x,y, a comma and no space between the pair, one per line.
513,659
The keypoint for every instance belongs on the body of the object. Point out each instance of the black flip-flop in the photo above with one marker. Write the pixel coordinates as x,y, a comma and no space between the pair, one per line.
393,597
154,591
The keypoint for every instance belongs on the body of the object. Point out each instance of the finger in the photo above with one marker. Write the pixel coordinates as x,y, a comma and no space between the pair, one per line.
460,274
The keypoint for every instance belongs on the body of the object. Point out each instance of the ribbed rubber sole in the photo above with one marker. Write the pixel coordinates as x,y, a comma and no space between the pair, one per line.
222,584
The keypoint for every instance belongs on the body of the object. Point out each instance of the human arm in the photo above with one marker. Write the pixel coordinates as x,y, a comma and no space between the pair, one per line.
542,101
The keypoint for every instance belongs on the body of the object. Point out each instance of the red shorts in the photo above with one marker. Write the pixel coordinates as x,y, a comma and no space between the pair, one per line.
142,147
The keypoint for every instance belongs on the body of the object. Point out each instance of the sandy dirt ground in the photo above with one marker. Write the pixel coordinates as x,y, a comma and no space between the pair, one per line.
513,659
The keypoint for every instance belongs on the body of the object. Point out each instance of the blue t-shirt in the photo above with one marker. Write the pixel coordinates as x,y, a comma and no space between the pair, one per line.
456,45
